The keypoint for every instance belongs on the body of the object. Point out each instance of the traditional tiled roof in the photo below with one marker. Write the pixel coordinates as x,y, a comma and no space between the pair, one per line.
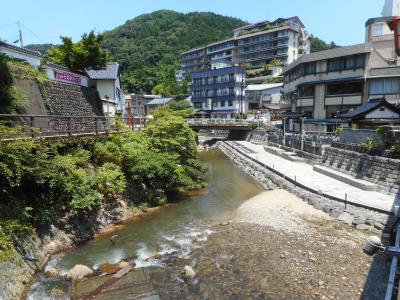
21,49
331,53
109,73
366,108
55,66
161,101
380,19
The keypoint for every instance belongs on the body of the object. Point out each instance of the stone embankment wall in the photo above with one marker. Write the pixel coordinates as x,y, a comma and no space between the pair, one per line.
73,100
15,275
360,217
384,172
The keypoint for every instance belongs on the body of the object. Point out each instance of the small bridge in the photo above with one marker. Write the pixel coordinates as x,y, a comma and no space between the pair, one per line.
237,124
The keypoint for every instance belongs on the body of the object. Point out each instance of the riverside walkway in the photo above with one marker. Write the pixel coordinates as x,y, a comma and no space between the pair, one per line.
303,173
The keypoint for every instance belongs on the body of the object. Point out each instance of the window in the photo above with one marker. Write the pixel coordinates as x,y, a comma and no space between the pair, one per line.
346,63
230,103
377,30
348,88
306,91
222,103
309,68
333,65
197,104
384,86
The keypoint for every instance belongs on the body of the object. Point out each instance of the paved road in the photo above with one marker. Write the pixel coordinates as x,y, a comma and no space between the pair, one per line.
306,175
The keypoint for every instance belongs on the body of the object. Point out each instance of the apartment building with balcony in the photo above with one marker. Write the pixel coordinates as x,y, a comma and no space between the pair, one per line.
218,93
255,44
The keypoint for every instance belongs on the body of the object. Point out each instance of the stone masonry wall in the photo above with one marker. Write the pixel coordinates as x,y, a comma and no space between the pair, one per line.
384,172
72,100
362,218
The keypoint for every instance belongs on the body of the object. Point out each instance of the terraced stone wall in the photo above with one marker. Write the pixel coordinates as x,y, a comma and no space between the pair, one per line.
384,172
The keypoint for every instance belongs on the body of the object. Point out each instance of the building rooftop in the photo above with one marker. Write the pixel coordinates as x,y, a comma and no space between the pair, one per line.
111,72
331,53
21,49
380,19
161,101
279,20
261,87
368,107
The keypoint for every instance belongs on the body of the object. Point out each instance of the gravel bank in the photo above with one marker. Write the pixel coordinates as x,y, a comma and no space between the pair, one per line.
279,209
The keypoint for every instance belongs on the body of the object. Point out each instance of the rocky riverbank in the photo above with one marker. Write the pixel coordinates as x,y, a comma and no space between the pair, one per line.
361,218
68,232
275,246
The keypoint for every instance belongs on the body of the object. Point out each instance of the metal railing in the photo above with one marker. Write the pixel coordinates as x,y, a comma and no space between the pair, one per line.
218,122
46,126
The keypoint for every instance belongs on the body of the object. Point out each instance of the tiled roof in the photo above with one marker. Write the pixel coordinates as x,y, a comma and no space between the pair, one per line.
381,19
331,53
55,66
161,101
365,108
20,49
109,73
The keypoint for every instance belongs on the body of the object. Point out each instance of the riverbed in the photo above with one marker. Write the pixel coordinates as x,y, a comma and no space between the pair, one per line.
242,242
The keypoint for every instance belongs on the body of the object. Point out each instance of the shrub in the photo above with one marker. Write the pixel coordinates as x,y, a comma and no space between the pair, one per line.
110,180
368,145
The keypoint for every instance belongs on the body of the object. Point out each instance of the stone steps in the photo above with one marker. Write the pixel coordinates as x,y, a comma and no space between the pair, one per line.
291,156
348,179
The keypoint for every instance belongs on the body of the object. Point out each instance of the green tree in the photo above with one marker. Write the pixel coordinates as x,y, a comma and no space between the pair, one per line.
320,45
87,53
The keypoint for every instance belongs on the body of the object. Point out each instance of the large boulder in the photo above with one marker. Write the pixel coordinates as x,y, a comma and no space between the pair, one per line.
79,272
188,272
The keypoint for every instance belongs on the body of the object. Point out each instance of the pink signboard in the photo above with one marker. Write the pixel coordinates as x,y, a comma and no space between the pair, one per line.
68,77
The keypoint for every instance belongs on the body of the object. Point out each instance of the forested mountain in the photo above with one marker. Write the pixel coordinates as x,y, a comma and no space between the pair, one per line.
148,46
42,48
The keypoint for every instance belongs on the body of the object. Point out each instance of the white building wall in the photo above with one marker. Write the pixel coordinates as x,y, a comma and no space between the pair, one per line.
31,59
391,8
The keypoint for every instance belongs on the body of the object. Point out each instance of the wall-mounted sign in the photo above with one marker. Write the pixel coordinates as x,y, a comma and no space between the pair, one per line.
68,77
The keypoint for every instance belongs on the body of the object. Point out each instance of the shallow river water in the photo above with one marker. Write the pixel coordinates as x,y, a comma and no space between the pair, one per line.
175,230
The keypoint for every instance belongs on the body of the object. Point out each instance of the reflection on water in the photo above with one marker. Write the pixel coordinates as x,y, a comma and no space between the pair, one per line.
176,229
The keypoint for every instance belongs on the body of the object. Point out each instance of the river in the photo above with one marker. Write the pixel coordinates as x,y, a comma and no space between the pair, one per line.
175,230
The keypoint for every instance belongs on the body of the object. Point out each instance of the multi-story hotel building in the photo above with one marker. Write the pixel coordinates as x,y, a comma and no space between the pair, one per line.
255,44
320,85
218,93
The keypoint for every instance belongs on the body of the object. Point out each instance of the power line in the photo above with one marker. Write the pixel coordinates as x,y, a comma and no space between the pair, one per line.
7,25
34,34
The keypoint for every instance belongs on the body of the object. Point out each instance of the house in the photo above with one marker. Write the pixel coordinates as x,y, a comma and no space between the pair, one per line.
157,103
263,96
370,115
218,93
32,57
107,81
320,85
63,74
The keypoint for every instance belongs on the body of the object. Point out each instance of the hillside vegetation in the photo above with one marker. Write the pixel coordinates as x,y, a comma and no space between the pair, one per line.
148,46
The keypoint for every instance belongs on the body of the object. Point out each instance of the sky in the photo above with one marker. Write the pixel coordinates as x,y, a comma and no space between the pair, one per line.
341,21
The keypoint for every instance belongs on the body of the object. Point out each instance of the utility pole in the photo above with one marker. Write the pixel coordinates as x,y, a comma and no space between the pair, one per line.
20,34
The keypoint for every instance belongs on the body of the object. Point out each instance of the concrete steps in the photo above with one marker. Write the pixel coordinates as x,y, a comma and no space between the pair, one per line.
291,156
348,179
